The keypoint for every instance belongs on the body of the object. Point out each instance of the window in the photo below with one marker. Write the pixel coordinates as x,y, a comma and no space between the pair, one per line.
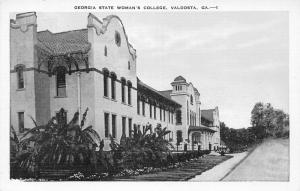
61,82
105,83
199,117
106,124
138,105
160,116
179,137
129,93
164,115
21,121
169,116
191,99
113,86
171,136
178,117
61,116
172,115
123,126
150,110
117,38
143,107
105,51
144,128
154,111
20,76
123,90
128,65
130,127
187,112
113,126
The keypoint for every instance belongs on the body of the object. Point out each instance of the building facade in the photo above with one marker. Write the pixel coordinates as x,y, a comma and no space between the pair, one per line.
95,68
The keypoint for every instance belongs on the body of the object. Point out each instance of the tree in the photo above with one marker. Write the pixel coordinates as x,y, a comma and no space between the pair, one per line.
267,121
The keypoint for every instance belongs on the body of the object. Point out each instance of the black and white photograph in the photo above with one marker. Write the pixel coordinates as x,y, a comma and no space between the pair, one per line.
149,93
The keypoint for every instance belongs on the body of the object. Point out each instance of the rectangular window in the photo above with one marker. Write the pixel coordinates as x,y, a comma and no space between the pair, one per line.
169,118
129,127
150,110
123,126
154,111
164,115
138,106
20,74
123,91
143,108
129,95
113,88
21,121
105,85
172,120
106,124
113,126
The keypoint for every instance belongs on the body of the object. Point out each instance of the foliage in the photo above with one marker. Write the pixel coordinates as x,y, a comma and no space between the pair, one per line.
59,143
268,122
142,149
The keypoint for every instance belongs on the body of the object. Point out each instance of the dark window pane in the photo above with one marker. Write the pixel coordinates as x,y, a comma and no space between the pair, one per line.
114,133
124,126
130,127
106,124
61,82
21,121
129,95
20,78
105,81
113,88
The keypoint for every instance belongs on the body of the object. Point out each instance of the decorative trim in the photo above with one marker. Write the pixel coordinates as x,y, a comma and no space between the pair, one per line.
72,71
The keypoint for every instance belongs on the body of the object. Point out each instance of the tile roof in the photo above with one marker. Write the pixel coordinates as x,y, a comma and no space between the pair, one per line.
180,78
166,93
65,42
142,84
207,114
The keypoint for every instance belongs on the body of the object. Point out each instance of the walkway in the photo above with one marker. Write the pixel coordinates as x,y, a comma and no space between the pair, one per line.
219,171
187,171
268,162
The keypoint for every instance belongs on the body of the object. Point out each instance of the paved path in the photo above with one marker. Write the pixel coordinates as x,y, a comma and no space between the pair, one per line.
219,171
268,162
189,170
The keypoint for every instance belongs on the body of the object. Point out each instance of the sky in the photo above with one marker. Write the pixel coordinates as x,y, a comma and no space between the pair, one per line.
234,59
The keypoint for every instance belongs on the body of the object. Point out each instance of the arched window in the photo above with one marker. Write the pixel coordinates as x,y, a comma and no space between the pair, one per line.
20,77
129,92
123,82
105,82
113,85
61,81
117,38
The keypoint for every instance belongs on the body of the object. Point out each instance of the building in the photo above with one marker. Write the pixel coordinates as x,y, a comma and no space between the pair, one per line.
95,68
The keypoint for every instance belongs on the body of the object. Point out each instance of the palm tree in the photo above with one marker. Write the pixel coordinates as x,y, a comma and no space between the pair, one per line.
59,143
